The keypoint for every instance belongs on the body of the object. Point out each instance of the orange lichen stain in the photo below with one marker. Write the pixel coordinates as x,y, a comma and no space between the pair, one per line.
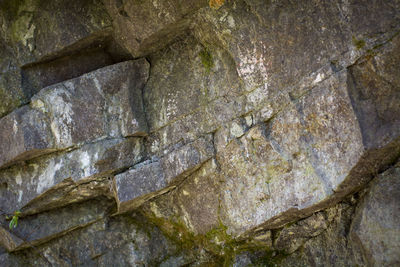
216,3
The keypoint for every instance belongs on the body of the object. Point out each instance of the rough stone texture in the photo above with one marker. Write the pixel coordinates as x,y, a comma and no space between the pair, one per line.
124,240
146,181
143,26
31,32
101,104
40,228
37,32
332,247
135,186
374,91
376,224
195,201
24,134
293,236
302,157
57,180
244,132
9,241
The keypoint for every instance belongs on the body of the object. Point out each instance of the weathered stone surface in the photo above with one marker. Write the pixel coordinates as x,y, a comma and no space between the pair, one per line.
11,93
374,91
376,225
128,240
184,160
109,98
102,104
195,201
331,247
24,134
148,180
143,27
196,78
294,236
8,240
56,181
309,155
36,32
262,116
260,57
135,186
37,229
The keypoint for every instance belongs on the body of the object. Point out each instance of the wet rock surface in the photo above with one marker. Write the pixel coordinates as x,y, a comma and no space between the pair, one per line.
199,133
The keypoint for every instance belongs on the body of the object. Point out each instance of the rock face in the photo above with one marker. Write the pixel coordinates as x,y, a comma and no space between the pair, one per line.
103,104
376,224
199,133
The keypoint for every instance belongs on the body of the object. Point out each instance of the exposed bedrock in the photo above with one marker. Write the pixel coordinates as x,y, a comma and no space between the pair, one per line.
199,133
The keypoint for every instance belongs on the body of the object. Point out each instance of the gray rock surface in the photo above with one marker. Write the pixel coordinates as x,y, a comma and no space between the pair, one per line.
376,225
56,180
102,104
199,133
146,181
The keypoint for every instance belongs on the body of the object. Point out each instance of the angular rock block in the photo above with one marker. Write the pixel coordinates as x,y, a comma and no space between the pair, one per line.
143,27
137,185
106,103
37,229
374,91
55,181
44,34
179,163
376,226
195,201
24,134
294,236
12,94
308,157
116,240
9,241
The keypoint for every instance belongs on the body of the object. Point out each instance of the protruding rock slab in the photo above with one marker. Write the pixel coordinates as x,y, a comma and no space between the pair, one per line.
195,202
374,91
39,31
184,160
9,241
24,134
122,240
294,236
148,180
104,103
376,225
57,180
37,229
143,26
133,186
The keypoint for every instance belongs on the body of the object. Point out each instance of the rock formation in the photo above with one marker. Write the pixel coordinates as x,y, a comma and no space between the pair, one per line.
199,133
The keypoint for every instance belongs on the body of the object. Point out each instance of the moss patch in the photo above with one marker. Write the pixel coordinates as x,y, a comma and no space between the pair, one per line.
206,59
358,43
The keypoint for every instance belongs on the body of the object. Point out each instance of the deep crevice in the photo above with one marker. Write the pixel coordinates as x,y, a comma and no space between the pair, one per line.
71,64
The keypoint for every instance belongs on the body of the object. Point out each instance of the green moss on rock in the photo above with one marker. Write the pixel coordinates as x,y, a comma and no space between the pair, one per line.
358,43
206,59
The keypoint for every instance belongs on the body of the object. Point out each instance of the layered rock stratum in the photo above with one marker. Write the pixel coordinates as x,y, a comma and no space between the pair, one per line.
199,133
